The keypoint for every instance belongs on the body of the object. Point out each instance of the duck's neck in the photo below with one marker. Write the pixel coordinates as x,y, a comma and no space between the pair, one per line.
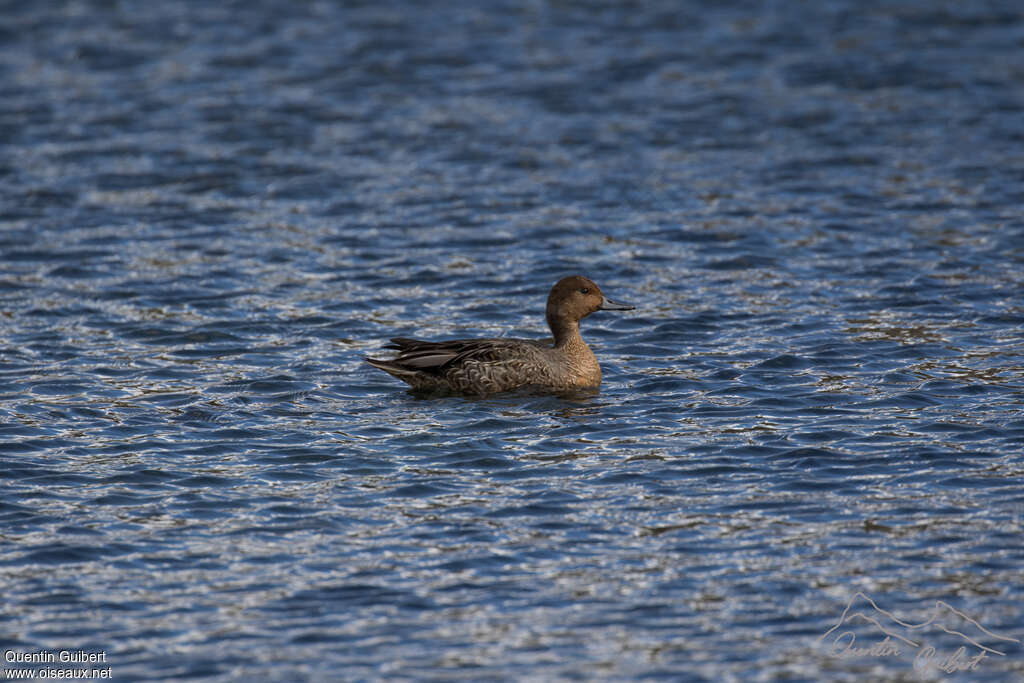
581,363
567,333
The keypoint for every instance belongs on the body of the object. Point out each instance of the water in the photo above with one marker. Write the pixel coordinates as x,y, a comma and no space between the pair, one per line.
209,213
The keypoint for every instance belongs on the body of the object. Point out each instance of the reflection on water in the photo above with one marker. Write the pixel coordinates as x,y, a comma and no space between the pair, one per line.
884,326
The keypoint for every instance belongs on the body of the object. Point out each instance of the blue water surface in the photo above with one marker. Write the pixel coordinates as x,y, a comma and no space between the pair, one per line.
211,212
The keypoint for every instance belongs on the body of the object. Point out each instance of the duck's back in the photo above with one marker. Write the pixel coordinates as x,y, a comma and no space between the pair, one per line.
475,365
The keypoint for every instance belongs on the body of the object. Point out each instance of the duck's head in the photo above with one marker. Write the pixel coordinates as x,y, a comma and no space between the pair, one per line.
574,298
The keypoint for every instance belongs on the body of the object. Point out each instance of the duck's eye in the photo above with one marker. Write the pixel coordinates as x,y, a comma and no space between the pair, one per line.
585,290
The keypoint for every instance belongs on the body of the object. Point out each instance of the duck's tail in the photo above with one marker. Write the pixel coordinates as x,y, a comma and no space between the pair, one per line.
392,368
417,379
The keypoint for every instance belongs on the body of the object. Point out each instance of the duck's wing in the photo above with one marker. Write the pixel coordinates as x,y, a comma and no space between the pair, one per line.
415,354
418,362
477,366
437,356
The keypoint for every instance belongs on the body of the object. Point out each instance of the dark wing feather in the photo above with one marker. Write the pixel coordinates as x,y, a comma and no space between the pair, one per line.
435,357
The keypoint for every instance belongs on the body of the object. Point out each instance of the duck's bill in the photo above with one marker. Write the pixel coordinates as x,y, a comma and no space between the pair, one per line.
609,305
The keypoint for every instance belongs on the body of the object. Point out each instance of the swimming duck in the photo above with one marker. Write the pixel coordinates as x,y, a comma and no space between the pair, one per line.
485,366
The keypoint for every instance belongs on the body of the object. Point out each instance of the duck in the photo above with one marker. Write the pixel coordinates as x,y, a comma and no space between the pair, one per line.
488,366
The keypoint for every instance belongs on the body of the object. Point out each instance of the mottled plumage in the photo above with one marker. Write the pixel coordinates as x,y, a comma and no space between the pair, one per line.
484,366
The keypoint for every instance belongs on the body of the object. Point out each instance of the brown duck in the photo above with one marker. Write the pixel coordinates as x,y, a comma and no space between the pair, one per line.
484,366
